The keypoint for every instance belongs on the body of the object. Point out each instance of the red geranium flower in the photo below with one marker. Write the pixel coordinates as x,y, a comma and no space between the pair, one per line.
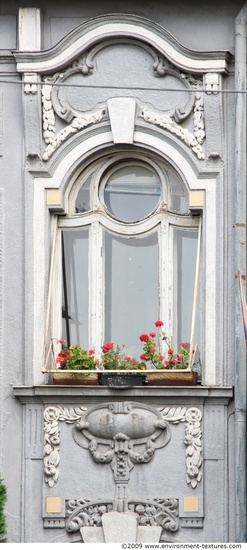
170,352
144,337
152,334
183,345
143,357
159,323
61,361
180,358
106,347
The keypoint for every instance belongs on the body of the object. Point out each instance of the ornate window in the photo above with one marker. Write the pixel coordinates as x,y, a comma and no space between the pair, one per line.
128,253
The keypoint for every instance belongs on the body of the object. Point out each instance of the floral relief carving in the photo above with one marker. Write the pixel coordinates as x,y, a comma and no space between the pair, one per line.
163,512
118,445
85,513
52,416
49,132
193,440
168,122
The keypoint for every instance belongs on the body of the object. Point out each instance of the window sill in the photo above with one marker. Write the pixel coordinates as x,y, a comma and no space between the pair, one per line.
68,393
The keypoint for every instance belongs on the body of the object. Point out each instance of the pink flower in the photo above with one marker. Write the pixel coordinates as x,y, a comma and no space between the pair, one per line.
159,323
153,350
128,358
152,334
161,357
166,363
144,337
91,352
61,342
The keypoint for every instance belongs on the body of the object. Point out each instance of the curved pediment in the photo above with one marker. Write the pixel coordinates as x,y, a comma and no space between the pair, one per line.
96,30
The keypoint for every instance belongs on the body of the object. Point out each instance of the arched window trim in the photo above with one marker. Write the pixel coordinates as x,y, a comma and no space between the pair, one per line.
98,221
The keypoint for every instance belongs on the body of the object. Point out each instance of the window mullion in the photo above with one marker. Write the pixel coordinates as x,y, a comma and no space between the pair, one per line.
165,266
96,286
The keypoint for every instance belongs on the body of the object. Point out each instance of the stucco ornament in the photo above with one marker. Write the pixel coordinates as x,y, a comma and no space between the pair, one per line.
156,512
122,434
79,95
171,123
53,139
52,416
193,440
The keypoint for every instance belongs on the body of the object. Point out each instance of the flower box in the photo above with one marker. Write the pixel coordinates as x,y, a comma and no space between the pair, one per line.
172,378
74,377
123,379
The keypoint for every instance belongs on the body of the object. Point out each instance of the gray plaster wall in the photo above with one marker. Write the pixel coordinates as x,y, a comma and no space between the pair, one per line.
199,26
212,23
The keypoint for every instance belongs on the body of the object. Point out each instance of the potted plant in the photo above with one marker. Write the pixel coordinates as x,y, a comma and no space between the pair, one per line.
122,369
172,368
76,366
114,367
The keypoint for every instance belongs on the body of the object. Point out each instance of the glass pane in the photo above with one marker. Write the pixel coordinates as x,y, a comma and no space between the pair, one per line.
132,193
132,290
185,253
75,286
178,200
82,203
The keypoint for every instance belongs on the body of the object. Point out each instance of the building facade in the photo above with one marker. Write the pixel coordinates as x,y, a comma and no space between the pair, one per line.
123,158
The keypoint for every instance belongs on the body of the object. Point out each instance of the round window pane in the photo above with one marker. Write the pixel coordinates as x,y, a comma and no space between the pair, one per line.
132,192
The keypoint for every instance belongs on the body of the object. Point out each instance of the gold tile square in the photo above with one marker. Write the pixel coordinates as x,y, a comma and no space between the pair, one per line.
191,504
53,196
53,505
196,199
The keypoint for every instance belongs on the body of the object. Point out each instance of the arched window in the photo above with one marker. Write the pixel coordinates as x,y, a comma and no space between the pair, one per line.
129,248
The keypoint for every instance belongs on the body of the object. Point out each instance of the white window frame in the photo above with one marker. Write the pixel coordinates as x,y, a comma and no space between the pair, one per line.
60,182
97,220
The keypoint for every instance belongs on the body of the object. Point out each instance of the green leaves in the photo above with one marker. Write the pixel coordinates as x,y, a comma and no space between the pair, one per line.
3,498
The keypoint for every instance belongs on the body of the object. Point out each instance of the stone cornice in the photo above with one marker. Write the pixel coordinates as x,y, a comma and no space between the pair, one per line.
60,394
101,28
